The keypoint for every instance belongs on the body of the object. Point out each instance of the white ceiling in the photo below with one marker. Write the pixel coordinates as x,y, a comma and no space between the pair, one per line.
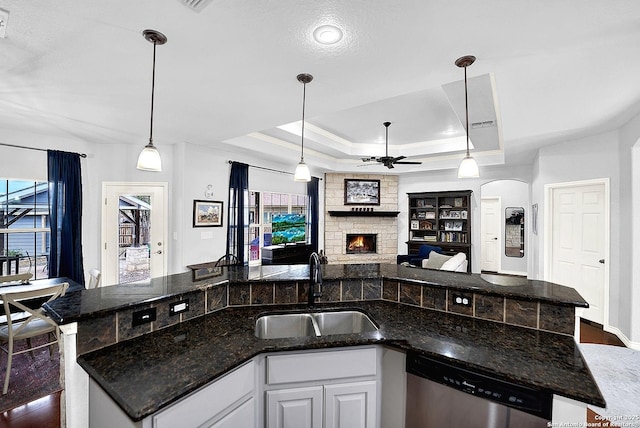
546,71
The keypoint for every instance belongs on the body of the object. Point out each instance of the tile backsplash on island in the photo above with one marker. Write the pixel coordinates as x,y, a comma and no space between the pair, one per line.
337,228
98,332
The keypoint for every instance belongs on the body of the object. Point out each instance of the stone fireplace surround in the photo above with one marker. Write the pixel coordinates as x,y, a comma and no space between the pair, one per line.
336,228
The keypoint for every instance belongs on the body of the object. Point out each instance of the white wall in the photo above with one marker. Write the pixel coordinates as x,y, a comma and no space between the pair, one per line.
512,193
588,158
204,165
629,154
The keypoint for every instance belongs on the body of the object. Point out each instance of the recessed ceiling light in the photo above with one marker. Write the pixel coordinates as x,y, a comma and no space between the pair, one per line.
327,34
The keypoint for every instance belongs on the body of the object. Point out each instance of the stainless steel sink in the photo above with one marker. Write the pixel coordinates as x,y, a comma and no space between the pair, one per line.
274,326
343,322
285,325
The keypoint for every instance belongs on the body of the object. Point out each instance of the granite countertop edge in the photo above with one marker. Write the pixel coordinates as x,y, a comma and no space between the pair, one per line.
93,303
226,337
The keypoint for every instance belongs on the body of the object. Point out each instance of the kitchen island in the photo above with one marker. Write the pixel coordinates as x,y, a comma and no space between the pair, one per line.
145,371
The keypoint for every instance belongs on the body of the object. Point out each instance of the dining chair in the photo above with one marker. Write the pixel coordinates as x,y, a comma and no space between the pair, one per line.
227,260
36,324
94,278
21,277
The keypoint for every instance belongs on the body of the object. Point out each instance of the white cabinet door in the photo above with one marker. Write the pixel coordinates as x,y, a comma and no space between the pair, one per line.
350,405
242,416
211,402
295,408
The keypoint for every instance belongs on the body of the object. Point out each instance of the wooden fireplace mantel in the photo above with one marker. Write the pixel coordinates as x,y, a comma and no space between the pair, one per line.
364,213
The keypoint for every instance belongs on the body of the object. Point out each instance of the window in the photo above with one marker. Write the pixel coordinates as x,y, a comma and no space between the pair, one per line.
263,207
24,227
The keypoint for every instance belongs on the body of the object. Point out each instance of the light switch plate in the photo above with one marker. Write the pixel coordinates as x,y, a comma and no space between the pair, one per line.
143,316
4,19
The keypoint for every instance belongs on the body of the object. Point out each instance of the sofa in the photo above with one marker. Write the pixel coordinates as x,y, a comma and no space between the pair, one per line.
416,259
455,263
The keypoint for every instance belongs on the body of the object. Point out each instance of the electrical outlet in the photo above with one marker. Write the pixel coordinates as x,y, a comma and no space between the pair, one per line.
143,316
461,300
178,307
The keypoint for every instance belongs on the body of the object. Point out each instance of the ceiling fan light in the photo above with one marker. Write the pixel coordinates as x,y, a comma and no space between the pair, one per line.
149,159
468,168
302,173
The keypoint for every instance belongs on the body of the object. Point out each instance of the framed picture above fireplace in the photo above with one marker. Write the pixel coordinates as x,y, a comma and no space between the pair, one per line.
361,192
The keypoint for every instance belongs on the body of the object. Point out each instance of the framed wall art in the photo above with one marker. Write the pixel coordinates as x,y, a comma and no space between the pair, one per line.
207,213
361,192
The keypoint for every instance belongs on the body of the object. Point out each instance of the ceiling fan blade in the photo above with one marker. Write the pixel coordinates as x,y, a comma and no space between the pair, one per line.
408,163
395,160
369,159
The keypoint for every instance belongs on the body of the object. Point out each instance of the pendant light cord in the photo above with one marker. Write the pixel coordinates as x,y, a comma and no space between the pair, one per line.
466,107
153,87
304,97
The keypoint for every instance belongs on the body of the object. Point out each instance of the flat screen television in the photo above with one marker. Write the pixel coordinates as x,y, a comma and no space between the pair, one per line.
287,228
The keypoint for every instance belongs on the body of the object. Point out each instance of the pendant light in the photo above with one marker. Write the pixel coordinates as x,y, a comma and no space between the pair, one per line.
468,167
149,159
302,170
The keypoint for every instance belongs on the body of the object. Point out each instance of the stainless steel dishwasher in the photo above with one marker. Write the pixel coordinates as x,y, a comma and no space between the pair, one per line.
441,395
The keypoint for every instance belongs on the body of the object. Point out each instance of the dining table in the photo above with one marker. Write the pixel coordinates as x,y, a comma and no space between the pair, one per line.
34,285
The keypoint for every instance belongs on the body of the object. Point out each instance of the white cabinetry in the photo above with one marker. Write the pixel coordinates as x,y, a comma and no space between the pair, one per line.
295,407
226,403
334,389
350,405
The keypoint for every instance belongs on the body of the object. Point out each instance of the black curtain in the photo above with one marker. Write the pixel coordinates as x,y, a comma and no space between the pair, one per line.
314,204
238,188
65,201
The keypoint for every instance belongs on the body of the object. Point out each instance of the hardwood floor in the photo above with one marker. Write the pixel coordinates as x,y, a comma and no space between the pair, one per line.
41,413
593,333
45,412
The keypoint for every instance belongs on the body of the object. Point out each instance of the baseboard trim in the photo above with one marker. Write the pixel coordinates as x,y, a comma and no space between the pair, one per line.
627,342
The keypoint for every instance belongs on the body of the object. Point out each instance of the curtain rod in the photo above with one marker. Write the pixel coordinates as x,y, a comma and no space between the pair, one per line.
270,169
82,155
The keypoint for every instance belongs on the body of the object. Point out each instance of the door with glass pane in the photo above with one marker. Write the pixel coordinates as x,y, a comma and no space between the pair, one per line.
134,231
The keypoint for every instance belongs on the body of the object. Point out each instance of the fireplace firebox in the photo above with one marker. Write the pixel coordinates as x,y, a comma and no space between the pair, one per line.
361,243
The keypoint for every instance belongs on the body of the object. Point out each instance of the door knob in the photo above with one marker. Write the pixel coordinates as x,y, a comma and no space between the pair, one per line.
601,261
158,252
496,238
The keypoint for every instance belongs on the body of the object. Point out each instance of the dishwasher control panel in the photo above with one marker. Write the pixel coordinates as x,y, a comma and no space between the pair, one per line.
519,397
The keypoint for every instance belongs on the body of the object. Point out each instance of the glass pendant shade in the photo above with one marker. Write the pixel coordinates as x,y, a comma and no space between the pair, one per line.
149,159
302,172
468,168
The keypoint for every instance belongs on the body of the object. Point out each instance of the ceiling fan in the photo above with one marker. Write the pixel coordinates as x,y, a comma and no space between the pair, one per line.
386,160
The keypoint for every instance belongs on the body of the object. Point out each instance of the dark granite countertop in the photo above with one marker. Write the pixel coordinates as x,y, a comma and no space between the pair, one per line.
96,302
147,373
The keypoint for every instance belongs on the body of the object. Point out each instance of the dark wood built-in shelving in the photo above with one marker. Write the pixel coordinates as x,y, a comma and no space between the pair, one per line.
441,219
364,213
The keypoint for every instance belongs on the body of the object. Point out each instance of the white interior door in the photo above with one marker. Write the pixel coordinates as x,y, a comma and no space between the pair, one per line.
579,243
490,227
134,232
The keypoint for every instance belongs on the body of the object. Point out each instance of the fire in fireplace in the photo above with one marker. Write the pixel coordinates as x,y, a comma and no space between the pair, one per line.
361,243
